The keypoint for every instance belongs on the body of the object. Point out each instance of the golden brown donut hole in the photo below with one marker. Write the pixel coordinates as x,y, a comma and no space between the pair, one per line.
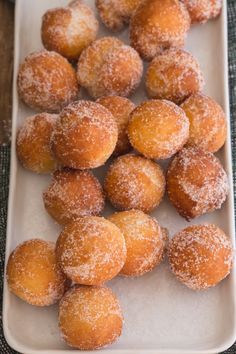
157,129
91,250
201,11
116,14
90,317
208,127
85,135
68,30
144,241
33,143
200,256
158,25
109,67
72,194
196,182
47,82
173,75
120,107
134,182
33,274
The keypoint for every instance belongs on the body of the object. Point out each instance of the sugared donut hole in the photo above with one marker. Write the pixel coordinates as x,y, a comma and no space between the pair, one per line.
196,182
68,30
33,143
120,107
208,126
158,25
72,194
109,67
200,256
33,273
203,10
116,14
134,182
144,241
173,75
91,250
85,135
47,82
158,129
90,317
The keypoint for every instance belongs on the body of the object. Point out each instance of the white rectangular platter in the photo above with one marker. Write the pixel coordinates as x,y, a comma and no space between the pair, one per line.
161,315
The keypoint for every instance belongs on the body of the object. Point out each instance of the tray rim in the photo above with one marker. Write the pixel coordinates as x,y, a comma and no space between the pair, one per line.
12,184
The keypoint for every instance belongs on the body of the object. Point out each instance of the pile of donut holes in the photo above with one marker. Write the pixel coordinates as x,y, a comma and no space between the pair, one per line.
69,137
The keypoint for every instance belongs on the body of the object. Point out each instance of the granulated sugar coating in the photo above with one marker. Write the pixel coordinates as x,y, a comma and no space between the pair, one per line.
144,240
85,135
68,30
72,194
33,143
158,129
121,108
196,182
116,14
173,75
33,274
91,250
208,126
200,256
134,182
47,82
201,11
158,25
109,67
90,317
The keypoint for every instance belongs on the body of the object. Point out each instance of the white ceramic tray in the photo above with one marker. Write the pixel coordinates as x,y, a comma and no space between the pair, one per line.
161,315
